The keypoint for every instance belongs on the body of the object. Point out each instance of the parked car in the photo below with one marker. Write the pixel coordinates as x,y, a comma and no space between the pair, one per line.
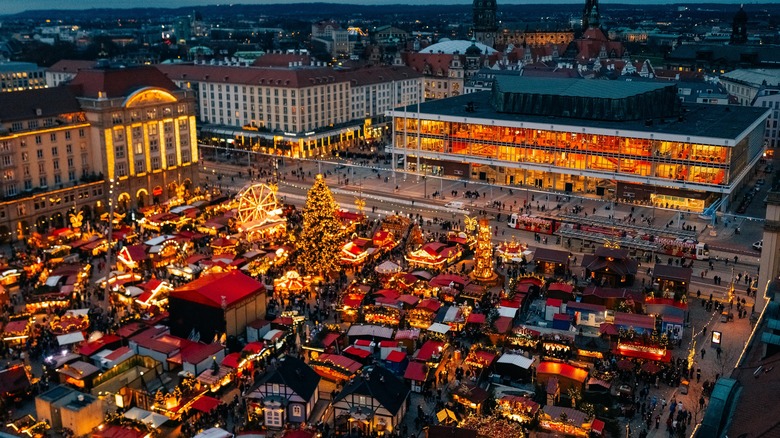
758,245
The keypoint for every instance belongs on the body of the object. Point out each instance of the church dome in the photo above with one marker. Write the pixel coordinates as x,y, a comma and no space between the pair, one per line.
460,46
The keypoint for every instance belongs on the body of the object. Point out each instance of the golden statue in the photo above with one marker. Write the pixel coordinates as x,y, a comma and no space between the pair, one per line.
471,224
76,219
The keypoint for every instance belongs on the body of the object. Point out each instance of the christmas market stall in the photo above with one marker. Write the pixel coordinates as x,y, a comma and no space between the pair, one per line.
552,262
224,245
434,256
449,286
14,383
132,257
525,338
481,356
453,316
516,408
357,251
671,281
471,397
351,301
568,421
16,332
387,268
515,366
334,367
567,376
165,250
424,313
557,346
407,338
612,267
384,240
381,315
432,353
417,375
324,339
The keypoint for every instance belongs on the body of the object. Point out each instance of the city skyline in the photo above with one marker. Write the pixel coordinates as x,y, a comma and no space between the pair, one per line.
17,6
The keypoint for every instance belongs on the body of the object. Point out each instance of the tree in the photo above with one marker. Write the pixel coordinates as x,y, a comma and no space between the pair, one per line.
320,241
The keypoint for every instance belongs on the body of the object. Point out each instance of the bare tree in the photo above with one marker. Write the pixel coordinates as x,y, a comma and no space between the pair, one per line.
725,361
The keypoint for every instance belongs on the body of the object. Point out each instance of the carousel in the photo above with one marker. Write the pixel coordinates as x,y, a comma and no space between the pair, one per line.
512,251
259,215
291,284
224,246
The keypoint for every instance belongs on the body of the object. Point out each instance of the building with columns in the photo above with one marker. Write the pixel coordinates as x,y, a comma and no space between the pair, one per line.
142,132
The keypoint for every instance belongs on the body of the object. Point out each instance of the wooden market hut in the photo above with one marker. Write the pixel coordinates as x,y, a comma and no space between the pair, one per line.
552,262
671,281
610,267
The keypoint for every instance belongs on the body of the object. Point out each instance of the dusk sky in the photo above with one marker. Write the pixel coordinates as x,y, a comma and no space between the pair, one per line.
14,6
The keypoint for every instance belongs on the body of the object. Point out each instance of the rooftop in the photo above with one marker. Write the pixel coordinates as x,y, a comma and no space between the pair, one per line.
577,88
211,290
296,374
710,121
754,76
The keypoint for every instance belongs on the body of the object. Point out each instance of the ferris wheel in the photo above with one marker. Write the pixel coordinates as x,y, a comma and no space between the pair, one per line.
256,202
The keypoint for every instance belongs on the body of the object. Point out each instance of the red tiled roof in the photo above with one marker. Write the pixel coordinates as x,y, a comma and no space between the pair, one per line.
70,66
232,360
205,404
281,59
416,371
208,290
428,349
116,354
119,82
503,324
90,348
476,318
562,369
23,105
396,356
196,352
358,352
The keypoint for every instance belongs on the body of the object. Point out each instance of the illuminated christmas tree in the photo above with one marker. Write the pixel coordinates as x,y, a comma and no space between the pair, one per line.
321,239
483,254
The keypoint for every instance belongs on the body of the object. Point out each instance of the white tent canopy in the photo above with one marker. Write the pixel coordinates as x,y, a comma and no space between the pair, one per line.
214,432
70,338
371,330
517,360
146,417
507,311
387,267
438,327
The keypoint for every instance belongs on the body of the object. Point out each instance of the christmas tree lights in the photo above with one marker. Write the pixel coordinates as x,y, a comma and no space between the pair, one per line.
320,243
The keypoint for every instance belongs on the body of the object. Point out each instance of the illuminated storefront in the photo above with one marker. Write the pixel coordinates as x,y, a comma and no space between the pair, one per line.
577,139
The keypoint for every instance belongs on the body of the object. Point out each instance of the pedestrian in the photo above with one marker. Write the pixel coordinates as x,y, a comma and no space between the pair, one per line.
718,351
702,353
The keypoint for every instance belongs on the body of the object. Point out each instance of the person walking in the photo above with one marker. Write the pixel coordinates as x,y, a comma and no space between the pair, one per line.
703,351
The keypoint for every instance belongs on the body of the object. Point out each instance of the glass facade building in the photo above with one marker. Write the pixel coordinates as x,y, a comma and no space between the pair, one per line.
688,161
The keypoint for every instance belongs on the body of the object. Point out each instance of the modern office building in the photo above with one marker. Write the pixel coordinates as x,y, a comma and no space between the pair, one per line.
17,76
631,140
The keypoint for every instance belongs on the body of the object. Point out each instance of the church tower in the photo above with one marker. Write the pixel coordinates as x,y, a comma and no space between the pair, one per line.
590,15
485,26
739,27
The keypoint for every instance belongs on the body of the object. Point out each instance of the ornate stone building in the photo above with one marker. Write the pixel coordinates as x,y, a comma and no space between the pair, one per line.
485,22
